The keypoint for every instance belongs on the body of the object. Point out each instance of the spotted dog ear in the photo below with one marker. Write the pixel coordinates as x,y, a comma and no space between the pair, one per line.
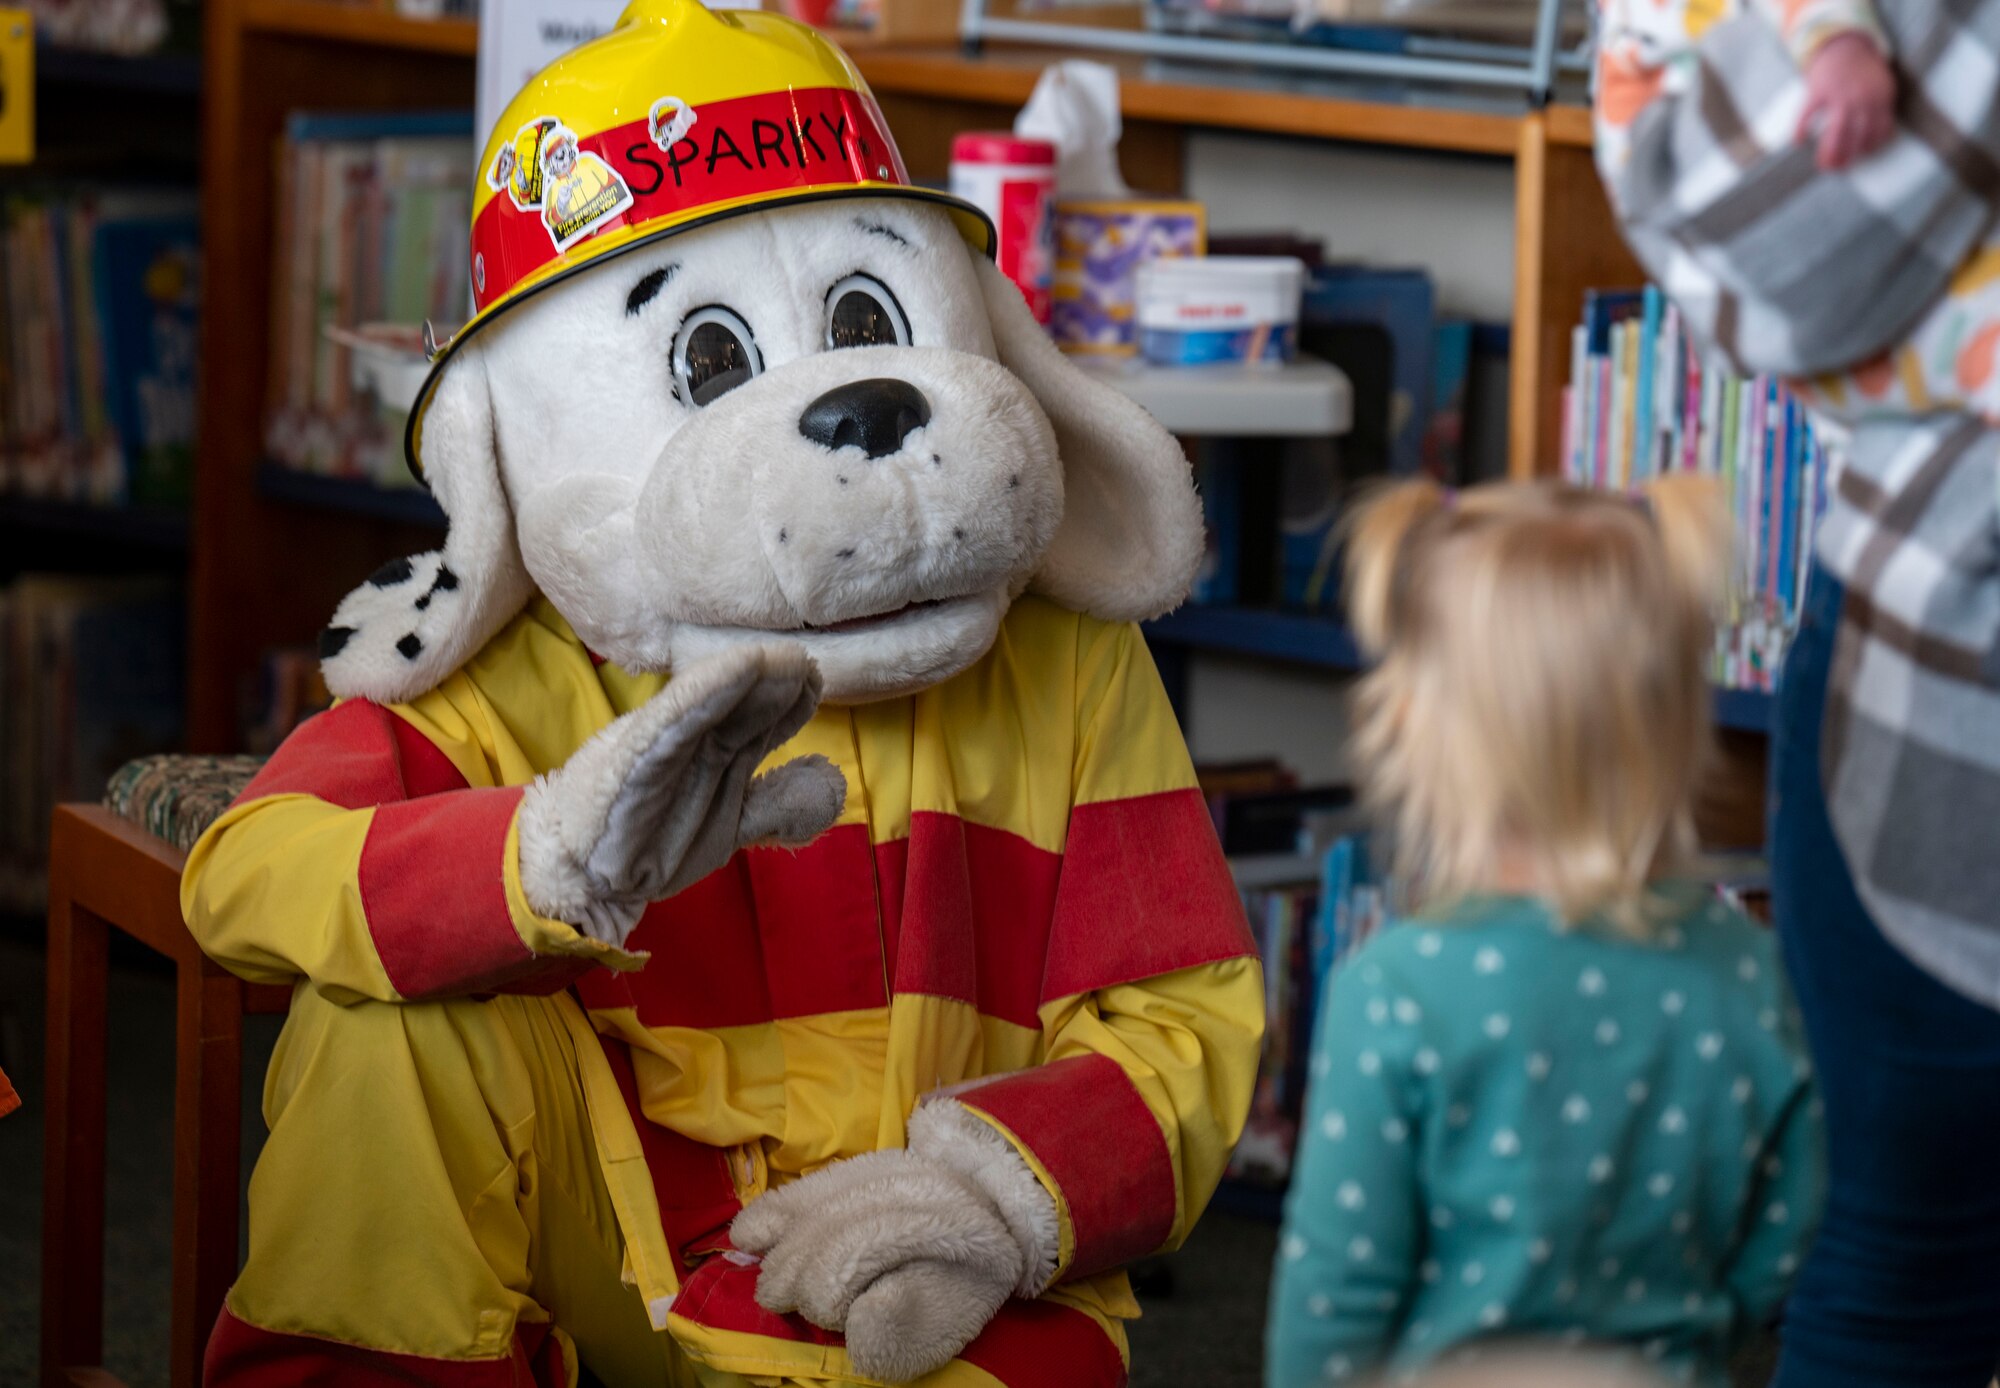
404,631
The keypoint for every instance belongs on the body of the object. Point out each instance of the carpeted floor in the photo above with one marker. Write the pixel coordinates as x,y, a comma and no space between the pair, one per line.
1204,1333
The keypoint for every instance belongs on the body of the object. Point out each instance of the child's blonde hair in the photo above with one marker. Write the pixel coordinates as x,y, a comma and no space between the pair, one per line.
1542,691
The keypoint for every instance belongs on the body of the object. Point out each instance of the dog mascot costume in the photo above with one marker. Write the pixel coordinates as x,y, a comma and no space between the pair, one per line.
752,914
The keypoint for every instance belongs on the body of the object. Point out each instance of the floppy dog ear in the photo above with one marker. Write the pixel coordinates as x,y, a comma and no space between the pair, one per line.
1131,533
417,620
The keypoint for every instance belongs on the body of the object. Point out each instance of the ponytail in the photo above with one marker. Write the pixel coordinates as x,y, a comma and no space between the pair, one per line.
1378,533
1695,535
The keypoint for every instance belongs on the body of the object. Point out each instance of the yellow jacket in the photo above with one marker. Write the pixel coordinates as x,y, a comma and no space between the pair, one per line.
1023,901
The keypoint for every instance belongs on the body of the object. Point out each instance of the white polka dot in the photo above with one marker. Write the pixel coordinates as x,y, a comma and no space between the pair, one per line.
1539,1065
1635,1290
1489,961
1816,1110
1333,1123
1691,1303
1673,937
1394,1130
1609,1269
1708,1045
1752,1145
1788,1263
1351,1196
1458,1115
1778,1212
1378,1010
1430,944
1407,1011
1566,1290
1431,1271
1426,1061
1420,1331
1801,1068
1673,1002
1773,1167
1674,1120
1321,1064
1654,1349
1319,1306
1576,1109
1294,1248
1502,1207
1498,1025
1442,1217
1637,1091
1360,1248
1746,969
1681,1222
1741,1090
1368,1063
1607,1032
1337,1367
1590,982
1600,1169
1768,1019
1660,1185
1506,1143
1472,1274
1493,1315
1540,1251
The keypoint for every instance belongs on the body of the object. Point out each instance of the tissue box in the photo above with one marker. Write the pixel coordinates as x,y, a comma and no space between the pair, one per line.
1099,248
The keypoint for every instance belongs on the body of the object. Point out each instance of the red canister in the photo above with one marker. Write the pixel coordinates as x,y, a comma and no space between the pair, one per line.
1013,180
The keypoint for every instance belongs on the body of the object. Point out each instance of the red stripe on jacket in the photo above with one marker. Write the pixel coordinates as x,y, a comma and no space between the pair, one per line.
957,910
1100,1144
1028,1344
242,1355
432,869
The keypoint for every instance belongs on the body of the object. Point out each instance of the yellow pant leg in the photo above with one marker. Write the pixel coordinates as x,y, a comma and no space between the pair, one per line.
430,1184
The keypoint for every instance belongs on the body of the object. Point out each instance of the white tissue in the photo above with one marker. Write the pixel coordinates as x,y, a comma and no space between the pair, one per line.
1075,107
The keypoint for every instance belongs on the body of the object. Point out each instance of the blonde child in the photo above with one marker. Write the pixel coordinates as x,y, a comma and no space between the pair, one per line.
1567,1101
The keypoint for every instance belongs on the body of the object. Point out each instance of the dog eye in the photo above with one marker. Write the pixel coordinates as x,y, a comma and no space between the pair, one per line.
713,354
861,312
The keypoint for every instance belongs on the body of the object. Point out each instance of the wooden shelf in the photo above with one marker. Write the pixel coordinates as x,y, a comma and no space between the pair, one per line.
361,24
1005,76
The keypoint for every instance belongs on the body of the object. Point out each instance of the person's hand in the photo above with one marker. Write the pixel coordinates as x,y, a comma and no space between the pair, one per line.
1850,100
664,795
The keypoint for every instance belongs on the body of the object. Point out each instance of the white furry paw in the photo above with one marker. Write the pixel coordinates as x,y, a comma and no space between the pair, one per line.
917,1318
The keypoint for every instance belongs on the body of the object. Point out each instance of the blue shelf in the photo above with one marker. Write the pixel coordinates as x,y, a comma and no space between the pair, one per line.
1301,640
162,74
408,505
163,528
1324,644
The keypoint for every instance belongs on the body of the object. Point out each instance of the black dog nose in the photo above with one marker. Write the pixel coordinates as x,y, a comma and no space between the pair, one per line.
874,415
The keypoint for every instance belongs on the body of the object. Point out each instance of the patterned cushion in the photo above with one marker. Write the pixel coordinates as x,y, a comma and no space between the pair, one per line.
177,797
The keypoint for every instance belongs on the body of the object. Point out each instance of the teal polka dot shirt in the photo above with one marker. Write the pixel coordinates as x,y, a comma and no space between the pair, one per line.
1515,1131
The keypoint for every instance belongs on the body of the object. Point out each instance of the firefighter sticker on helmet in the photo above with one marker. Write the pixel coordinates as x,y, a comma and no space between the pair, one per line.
543,169
517,167
669,121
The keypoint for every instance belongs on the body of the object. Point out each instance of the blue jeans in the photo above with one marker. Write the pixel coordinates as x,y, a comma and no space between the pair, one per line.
1903,1285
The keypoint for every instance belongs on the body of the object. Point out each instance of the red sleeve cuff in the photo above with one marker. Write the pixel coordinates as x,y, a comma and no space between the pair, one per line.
433,885
1083,1124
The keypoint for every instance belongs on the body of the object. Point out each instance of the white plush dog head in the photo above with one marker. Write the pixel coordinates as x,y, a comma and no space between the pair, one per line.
831,421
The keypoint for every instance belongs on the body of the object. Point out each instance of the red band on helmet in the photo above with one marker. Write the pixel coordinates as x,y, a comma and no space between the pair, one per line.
770,143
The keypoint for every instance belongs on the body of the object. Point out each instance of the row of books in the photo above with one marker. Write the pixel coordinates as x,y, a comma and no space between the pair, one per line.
372,214
90,677
99,293
1645,400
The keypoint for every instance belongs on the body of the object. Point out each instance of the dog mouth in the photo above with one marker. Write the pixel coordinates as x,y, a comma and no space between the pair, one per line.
874,619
